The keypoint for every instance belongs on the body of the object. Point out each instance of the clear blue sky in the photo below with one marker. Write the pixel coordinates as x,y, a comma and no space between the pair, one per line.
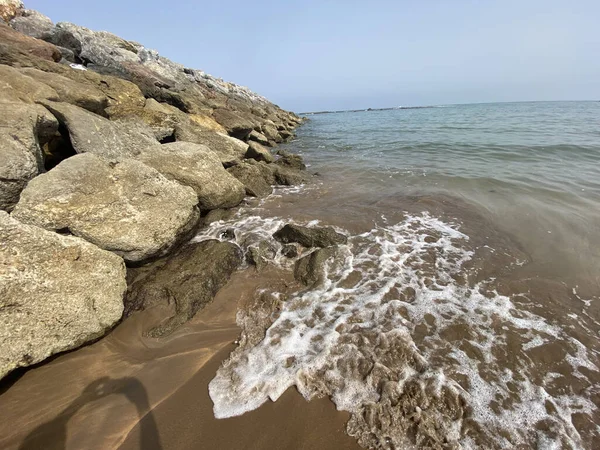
318,54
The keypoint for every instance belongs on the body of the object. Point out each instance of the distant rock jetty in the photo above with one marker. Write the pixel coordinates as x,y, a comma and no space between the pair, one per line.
365,110
112,157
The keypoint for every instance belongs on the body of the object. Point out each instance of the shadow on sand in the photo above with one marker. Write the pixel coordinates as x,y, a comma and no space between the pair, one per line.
52,435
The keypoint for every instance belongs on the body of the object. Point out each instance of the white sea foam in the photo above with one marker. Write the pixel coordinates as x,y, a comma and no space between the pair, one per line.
343,339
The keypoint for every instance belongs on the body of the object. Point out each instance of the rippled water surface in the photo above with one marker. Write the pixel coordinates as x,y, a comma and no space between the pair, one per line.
464,312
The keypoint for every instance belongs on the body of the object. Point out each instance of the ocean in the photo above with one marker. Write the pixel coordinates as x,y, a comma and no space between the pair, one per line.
464,312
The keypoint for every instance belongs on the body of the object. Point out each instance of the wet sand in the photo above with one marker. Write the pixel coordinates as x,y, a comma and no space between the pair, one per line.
130,392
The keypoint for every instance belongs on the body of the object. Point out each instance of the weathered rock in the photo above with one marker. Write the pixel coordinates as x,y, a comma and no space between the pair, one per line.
195,165
289,251
56,293
258,137
266,170
309,237
32,23
228,149
84,95
286,135
290,160
270,131
261,254
217,214
91,133
16,86
236,125
252,179
23,128
27,44
288,177
258,152
10,8
125,207
310,269
189,279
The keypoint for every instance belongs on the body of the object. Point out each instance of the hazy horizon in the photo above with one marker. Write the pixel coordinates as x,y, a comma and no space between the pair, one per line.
315,56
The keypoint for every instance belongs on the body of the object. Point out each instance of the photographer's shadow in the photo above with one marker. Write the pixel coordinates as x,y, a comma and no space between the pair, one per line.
53,435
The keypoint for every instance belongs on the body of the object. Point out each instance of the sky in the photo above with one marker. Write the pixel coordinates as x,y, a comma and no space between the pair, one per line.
315,55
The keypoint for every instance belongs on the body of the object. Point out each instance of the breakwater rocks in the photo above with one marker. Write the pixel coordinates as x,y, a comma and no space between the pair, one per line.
111,156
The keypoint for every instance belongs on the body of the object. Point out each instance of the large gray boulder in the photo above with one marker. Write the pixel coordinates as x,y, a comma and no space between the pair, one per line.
195,165
32,23
91,133
56,293
189,279
310,269
309,237
252,178
259,153
122,206
23,127
84,95
227,148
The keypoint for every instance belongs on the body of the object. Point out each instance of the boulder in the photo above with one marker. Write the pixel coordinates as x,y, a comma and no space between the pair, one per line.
309,237
258,152
10,8
252,179
23,127
270,131
189,279
310,269
260,254
32,23
288,177
195,165
122,206
236,125
56,293
227,148
18,87
290,160
84,95
289,250
216,215
91,133
27,44
258,137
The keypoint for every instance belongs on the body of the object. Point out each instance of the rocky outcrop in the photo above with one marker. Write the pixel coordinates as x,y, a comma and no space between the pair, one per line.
90,133
189,280
196,166
29,45
16,87
56,293
252,179
259,153
228,149
309,237
84,95
23,128
32,23
125,207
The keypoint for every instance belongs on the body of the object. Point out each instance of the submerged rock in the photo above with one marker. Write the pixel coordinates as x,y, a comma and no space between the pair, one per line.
290,160
56,293
289,251
196,166
261,254
309,237
310,269
189,279
125,207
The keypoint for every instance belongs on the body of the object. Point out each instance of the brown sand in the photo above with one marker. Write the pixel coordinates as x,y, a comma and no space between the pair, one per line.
131,392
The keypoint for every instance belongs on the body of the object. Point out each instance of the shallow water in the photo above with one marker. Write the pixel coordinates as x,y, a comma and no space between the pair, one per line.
465,309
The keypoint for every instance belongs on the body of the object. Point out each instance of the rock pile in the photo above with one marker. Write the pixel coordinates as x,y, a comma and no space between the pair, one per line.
109,156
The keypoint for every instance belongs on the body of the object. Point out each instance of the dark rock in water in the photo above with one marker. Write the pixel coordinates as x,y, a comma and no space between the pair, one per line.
228,234
217,214
259,255
290,161
289,251
190,279
258,152
252,178
309,237
286,176
310,269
